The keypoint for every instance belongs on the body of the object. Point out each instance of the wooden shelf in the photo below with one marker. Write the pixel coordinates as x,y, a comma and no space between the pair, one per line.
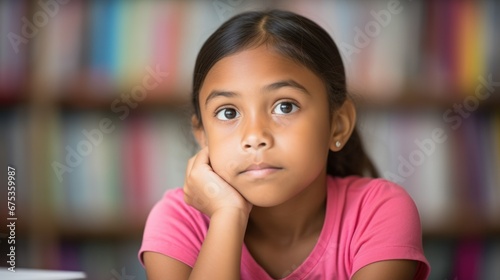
9,100
84,102
412,100
77,231
108,232
87,100
453,228
463,230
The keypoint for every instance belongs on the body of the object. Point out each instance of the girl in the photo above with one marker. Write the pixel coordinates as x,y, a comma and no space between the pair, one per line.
277,189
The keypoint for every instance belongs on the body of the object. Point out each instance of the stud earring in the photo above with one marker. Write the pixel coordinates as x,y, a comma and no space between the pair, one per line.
337,144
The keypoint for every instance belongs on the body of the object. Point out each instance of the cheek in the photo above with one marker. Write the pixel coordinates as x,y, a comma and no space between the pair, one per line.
311,133
222,155
306,151
309,141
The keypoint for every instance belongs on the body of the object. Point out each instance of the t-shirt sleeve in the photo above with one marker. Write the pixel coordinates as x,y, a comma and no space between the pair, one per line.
388,228
174,229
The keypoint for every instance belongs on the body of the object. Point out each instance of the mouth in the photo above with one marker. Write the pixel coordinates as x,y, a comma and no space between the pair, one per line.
260,170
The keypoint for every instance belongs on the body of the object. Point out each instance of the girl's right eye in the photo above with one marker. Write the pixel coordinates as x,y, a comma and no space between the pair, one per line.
227,114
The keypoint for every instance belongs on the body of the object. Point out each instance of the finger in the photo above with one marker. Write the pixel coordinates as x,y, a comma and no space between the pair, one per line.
189,169
190,165
202,157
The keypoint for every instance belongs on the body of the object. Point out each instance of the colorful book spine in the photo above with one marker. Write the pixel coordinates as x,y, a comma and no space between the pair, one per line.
135,166
103,44
14,49
470,54
468,258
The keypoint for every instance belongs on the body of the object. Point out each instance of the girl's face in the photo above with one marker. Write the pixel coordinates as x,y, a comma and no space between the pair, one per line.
267,125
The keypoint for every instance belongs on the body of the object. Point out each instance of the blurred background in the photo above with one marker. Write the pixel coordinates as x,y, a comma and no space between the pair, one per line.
94,117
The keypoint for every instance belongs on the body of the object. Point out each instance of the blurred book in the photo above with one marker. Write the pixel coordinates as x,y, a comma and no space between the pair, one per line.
14,50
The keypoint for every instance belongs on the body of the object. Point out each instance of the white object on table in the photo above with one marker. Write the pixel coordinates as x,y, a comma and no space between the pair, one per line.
39,274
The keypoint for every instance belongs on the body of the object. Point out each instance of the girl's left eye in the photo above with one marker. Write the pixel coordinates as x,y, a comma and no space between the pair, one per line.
284,108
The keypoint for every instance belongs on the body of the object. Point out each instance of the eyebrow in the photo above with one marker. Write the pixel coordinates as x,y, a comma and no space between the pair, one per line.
271,87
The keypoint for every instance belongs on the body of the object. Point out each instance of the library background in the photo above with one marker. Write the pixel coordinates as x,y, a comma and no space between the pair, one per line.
94,99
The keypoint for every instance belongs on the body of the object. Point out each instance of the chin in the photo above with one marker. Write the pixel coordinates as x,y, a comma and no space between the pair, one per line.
265,197
266,192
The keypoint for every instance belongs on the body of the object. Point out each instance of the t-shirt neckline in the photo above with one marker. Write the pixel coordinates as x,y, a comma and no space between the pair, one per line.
314,256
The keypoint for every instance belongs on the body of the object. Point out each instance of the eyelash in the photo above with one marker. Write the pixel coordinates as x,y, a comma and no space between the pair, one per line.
293,103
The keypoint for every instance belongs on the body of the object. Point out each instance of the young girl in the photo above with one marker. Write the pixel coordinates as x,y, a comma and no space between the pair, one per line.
277,189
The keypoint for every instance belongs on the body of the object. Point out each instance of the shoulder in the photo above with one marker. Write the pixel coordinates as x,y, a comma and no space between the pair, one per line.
368,202
363,184
366,191
173,207
174,228
380,220
173,198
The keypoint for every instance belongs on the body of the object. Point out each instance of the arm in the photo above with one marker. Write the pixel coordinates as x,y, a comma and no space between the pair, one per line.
220,253
391,269
219,257
159,266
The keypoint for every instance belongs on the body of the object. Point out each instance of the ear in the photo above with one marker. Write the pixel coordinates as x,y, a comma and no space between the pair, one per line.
343,123
198,132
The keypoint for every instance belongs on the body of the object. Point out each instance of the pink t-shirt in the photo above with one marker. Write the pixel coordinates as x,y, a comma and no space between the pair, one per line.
367,220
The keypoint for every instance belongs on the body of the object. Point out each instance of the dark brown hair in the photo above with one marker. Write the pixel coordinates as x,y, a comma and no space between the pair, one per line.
301,40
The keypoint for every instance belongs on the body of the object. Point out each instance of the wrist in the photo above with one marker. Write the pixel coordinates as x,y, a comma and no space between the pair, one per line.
231,214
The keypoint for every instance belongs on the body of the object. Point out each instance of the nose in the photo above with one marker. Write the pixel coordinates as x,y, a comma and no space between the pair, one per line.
256,135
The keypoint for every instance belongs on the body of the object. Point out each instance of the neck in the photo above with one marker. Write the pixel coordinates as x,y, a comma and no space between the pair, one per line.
297,218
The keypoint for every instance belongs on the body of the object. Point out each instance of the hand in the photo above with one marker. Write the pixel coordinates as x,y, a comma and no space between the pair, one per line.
206,191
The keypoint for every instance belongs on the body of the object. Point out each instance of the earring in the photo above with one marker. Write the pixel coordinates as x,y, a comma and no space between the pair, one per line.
337,144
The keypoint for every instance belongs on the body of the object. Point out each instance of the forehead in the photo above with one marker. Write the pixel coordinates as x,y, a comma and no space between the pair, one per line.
253,68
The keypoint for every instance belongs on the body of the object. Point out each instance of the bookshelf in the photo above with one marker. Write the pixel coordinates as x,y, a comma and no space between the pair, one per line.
104,86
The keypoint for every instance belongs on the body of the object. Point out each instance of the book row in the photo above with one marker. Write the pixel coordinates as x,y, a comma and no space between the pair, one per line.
104,47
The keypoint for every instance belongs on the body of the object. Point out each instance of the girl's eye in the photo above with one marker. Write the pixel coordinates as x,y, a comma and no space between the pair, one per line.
227,114
284,108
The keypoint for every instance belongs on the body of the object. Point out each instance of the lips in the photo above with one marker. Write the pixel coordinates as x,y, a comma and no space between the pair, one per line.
260,170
